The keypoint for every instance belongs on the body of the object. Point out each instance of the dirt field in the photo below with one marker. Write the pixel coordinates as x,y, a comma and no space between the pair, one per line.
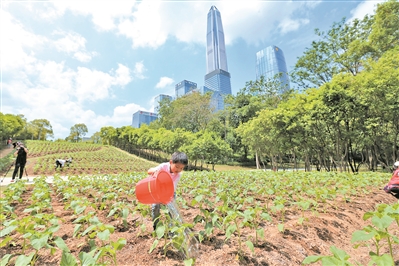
313,237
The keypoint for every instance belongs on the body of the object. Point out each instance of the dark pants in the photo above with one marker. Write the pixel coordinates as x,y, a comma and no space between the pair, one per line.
21,167
156,212
393,190
395,193
57,163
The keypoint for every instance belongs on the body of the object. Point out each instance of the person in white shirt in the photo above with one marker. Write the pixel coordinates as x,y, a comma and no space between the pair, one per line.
60,163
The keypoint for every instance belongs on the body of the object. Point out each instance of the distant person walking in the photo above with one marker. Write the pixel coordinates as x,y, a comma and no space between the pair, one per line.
9,141
20,162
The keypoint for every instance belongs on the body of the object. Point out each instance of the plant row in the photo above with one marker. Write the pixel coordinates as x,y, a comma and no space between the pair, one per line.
229,203
87,158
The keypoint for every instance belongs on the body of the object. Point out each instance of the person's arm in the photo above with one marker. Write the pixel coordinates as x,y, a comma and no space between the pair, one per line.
154,170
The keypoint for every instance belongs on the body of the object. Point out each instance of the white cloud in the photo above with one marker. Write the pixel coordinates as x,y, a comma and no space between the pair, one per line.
364,8
15,39
149,23
122,115
104,14
164,82
73,43
92,85
83,56
257,21
58,94
139,70
287,24
122,76
146,26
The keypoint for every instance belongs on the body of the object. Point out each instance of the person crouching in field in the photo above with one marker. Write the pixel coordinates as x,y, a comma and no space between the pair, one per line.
175,166
393,185
60,163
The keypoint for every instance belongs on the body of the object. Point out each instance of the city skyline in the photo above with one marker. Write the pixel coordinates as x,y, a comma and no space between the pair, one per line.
217,79
98,63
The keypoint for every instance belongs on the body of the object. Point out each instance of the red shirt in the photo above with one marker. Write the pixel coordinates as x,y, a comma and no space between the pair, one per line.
395,178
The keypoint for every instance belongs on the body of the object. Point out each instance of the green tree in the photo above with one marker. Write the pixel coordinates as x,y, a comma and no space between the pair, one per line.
339,50
11,125
385,30
108,135
78,131
258,95
207,148
40,129
378,89
191,112
96,138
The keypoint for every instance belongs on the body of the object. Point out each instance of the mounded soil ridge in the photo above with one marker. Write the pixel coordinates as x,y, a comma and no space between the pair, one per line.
314,236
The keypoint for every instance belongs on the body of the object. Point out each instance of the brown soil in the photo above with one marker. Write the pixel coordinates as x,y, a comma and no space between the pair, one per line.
314,237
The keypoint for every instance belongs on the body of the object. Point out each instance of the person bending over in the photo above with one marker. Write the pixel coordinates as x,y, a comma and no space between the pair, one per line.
175,166
393,186
60,163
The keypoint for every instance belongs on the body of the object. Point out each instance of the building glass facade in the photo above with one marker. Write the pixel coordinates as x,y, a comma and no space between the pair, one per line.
217,78
270,62
184,87
158,99
143,117
219,81
215,48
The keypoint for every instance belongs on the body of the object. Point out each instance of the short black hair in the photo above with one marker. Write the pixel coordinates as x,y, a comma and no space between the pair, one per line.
179,157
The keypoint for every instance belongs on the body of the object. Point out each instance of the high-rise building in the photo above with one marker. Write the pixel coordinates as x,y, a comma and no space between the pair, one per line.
184,87
271,62
143,117
217,78
158,99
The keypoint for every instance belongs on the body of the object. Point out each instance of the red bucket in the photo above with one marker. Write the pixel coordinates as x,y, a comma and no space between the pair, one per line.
153,190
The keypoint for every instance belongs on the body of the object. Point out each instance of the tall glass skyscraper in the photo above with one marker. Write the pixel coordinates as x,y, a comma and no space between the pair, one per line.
217,78
270,62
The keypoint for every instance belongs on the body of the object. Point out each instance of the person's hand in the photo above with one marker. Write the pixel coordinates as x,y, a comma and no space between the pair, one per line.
155,174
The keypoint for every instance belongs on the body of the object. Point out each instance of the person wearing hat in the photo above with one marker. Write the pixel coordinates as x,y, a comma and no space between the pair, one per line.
393,186
20,162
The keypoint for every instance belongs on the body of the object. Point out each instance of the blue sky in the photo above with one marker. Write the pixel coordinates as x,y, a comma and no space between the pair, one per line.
98,62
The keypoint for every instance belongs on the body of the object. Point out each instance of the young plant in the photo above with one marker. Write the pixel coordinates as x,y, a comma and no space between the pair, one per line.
381,220
339,257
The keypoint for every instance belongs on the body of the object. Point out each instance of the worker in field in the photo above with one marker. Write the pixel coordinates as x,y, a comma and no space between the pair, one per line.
175,166
60,163
393,185
20,162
